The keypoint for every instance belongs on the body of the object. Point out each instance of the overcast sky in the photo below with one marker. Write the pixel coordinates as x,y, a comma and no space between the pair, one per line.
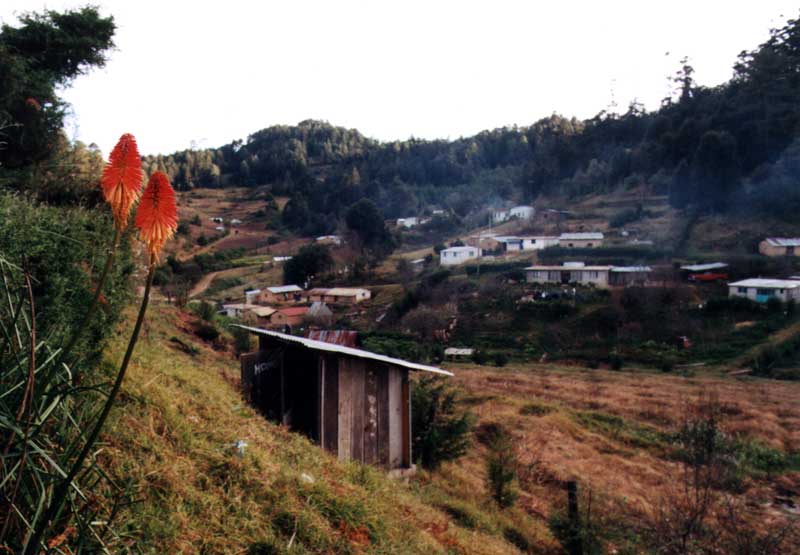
211,72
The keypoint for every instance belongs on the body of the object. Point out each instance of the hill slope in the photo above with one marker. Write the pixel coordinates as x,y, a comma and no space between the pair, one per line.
172,437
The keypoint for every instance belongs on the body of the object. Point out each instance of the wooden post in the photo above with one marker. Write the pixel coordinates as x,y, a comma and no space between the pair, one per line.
574,545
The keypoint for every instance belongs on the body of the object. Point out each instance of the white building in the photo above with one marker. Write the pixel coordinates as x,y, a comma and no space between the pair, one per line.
762,290
408,222
458,255
251,296
529,243
237,310
522,212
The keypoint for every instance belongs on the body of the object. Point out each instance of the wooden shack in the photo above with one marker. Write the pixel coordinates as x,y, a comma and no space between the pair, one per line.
354,403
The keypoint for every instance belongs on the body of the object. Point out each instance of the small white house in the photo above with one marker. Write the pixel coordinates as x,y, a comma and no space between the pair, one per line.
762,290
251,296
408,222
523,212
499,216
458,255
237,310
217,220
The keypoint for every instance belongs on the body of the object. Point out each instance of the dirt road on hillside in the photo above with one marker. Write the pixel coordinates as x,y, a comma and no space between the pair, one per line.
201,286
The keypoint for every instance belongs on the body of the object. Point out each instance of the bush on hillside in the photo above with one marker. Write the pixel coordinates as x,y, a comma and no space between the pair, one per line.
440,430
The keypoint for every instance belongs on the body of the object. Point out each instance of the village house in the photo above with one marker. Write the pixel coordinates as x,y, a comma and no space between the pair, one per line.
407,222
263,314
317,294
252,296
458,255
280,294
237,310
531,243
487,242
780,246
762,290
522,212
290,316
329,240
353,403
581,240
346,295
570,272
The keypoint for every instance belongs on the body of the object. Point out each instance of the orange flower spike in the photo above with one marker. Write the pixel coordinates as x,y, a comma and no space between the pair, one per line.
157,215
122,179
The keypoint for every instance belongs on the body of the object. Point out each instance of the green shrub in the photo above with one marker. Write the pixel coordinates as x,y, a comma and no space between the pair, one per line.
501,468
207,332
440,429
500,359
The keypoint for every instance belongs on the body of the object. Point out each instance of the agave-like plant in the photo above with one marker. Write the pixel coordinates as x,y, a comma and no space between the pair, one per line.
47,437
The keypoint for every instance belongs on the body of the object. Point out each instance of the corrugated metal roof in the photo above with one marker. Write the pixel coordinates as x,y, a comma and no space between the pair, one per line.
766,283
570,268
284,289
346,291
784,241
341,349
704,267
455,351
631,269
348,338
581,236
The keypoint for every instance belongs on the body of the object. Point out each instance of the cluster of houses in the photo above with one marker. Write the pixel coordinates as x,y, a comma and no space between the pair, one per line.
289,305
480,245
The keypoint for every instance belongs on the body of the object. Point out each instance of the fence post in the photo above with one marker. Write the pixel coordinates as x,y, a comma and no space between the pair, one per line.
575,545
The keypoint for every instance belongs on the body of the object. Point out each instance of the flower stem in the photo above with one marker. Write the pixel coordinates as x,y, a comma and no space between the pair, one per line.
61,490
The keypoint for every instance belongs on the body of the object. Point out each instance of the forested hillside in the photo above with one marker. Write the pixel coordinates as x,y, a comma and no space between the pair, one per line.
714,149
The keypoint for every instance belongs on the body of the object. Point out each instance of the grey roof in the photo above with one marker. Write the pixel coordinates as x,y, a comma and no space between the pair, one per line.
704,267
766,283
284,289
341,349
631,269
784,241
582,235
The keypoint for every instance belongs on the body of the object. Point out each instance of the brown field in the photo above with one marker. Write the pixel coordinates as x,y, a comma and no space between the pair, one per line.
542,406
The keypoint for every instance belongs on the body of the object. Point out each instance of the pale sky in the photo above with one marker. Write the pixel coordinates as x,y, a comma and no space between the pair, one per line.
211,72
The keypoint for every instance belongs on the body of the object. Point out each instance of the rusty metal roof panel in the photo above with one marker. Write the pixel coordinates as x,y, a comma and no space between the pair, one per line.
341,349
348,338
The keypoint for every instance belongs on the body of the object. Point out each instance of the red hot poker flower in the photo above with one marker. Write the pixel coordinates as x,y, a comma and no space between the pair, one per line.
122,179
157,215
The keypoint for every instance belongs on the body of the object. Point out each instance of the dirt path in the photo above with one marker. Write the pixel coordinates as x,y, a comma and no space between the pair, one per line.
774,339
201,286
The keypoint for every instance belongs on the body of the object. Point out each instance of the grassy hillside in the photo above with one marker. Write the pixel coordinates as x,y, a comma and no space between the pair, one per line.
173,433
172,436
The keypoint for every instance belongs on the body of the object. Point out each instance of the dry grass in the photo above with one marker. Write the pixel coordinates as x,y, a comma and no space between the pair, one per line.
172,435
560,418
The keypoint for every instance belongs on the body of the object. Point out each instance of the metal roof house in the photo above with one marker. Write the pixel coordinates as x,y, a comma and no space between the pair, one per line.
762,290
354,403
581,240
458,255
780,246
